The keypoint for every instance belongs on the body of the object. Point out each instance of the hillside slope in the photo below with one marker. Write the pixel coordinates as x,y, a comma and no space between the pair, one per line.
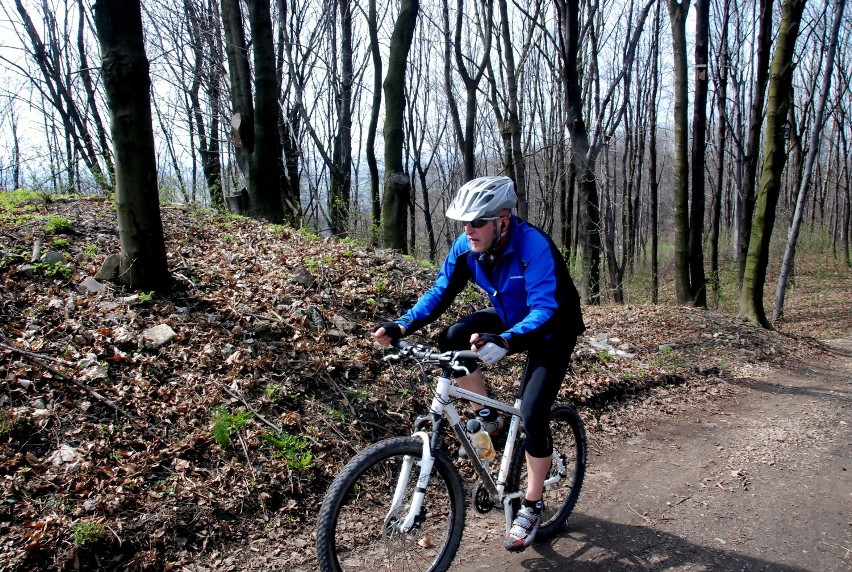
123,451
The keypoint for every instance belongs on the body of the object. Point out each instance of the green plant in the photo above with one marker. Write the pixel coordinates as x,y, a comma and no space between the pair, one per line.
59,243
290,447
87,532
56,224
227,237
146,296
604,356
18,198
351,393
225,423
274,392
7,422
381,285
308,234
89,251
335,414
52,269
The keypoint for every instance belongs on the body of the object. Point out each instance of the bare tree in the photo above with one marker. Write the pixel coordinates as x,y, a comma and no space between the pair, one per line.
813,151
775,157
54,81
128,87
397,181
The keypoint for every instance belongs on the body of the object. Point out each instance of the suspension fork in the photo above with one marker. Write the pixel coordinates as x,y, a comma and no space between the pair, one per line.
440,401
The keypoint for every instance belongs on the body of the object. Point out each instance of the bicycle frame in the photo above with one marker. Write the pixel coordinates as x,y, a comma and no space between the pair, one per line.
442,408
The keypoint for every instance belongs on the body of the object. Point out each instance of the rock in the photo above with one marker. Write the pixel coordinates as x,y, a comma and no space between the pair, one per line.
158,336
109,269
90,286
342,324
53,257
26,270
303,277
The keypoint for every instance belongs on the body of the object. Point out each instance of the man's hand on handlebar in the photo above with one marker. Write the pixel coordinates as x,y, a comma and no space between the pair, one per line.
490,347
387,331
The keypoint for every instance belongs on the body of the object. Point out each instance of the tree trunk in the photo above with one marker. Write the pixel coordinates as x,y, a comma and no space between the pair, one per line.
774,159
341,167
807,175
128,87
697,278
372,164
652,159
723,61
747,198
397,181
266,181
242,106
517,167
582,155
677,14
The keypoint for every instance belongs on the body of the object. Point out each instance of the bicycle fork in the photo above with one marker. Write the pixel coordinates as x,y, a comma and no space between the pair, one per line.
426,463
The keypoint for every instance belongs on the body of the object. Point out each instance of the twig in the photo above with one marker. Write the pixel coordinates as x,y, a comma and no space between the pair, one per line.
12,255
645,518
343,395
242,399
40,360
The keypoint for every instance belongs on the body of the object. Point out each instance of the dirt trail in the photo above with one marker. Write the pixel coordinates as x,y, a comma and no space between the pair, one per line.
761,480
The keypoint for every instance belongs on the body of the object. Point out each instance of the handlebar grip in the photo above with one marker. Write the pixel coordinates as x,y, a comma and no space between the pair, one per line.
467,354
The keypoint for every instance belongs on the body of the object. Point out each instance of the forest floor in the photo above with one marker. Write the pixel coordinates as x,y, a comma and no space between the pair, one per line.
212,450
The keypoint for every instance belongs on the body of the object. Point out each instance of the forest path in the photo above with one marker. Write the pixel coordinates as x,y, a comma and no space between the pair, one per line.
761,480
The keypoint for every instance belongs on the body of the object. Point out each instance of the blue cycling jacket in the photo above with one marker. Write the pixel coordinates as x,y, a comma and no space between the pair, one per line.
528,285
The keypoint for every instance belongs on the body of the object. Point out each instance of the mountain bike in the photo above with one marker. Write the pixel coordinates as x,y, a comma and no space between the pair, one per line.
400,503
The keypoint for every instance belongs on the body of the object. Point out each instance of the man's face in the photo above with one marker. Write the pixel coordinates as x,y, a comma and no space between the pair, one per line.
481,238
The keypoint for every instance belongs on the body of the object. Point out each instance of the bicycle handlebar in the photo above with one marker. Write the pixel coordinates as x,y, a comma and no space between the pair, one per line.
427,355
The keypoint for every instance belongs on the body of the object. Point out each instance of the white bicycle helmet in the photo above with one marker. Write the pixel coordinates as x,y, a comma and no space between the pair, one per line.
483,197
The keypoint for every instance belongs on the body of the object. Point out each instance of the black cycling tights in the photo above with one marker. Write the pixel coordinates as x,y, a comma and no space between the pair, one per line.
545,369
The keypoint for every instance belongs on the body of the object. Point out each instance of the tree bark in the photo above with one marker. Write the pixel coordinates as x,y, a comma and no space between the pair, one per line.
652,159
813,151
747,198
697,278
372,164
677,14
397,181
723,62
774,159
583,156
128,87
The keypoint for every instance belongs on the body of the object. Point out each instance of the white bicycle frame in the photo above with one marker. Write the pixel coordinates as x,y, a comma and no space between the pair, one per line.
442,405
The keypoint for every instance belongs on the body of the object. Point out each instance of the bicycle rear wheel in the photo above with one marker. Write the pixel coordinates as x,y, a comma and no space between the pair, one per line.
357,530
569,464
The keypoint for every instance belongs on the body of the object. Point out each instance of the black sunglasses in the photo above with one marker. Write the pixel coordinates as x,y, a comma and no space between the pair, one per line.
480,222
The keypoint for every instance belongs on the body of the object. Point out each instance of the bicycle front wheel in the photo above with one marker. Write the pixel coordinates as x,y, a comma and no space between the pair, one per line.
360,529
567,469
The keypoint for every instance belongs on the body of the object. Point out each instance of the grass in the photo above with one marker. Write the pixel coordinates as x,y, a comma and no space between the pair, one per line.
87,532
292,448
818,272
226,423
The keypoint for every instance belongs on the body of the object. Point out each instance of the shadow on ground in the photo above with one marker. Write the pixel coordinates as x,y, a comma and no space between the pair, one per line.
589,543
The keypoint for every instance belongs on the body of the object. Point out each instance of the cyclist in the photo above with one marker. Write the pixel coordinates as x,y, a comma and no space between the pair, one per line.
535,308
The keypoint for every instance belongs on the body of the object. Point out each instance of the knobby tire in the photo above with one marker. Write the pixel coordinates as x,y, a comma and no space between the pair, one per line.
355,531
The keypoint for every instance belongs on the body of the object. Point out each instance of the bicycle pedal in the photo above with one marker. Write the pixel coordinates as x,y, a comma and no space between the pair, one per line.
480,498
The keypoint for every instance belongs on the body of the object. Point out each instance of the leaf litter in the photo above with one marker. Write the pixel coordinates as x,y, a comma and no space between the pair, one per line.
103,421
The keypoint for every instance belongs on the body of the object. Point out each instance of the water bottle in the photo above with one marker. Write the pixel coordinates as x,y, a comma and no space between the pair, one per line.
481,441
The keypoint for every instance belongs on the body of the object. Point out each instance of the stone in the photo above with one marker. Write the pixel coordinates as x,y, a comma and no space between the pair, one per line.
109,269
158,336
90,286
